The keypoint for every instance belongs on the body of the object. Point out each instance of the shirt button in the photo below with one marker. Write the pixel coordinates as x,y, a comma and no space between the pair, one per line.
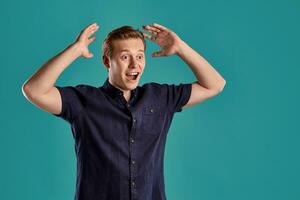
128,105
134,120
133,162
133,183
151,110
132,140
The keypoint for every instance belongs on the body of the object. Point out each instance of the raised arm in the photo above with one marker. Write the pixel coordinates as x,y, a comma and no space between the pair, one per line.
39,88
209,82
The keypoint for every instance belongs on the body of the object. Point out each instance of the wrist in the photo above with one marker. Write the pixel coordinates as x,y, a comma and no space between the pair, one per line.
76,49
181,48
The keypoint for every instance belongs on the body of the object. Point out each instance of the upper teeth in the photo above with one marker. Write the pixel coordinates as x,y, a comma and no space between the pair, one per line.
132,73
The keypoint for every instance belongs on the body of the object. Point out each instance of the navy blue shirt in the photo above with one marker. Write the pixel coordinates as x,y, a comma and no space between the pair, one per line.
120,145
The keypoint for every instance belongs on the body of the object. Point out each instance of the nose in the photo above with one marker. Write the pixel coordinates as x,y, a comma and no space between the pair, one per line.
134,64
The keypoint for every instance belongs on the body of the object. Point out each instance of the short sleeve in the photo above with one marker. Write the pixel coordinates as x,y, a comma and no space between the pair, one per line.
177,96
72,102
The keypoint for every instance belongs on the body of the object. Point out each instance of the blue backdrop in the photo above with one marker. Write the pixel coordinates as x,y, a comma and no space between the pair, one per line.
241,144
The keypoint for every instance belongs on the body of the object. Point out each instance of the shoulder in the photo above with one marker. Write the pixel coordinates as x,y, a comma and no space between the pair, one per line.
82,89
154,87
163,88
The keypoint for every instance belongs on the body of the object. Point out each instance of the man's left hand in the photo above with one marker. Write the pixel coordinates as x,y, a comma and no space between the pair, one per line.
168,41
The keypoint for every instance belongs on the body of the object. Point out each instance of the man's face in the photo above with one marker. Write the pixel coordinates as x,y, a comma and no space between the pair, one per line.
127,63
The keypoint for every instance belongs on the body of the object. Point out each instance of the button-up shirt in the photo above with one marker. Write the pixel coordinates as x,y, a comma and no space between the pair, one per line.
120,145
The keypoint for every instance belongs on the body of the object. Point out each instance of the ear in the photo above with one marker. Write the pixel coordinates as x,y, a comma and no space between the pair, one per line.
105,61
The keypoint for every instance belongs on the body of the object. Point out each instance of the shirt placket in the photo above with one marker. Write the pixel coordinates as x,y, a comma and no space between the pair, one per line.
132,146
132,156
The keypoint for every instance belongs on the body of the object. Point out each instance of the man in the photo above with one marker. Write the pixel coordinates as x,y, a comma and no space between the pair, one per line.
120,128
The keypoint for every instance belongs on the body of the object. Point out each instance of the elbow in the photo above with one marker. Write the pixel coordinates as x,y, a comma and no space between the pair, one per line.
26,91
220,88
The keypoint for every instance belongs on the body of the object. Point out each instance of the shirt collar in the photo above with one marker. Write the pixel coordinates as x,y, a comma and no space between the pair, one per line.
114,91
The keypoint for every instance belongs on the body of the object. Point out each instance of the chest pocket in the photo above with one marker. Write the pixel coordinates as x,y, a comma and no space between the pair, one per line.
152,120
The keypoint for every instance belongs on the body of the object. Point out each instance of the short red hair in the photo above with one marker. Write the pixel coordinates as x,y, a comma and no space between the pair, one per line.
122,33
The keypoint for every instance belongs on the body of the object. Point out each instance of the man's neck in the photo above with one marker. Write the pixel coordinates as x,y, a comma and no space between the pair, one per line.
127,95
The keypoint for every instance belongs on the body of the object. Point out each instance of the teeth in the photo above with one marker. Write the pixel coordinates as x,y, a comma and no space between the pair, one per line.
132,73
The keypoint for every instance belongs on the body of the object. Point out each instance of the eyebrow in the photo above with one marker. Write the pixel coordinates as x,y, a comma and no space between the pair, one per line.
129,51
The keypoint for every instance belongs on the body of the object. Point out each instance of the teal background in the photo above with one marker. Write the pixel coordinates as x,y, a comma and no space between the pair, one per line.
240,145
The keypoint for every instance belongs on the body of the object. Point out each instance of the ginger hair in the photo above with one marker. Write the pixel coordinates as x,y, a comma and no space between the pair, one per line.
122,33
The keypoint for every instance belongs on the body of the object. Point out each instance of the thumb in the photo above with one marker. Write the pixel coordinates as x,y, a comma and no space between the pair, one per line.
89,55
157,54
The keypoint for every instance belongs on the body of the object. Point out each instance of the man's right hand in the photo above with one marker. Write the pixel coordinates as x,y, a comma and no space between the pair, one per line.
84,39
39,89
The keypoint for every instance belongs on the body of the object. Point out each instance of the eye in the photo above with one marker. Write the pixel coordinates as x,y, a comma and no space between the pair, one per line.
124,57
140,56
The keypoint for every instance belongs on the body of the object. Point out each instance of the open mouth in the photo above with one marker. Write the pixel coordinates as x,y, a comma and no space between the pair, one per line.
132,76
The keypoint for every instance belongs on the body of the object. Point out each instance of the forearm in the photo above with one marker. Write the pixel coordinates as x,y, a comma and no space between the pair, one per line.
206,75
45,77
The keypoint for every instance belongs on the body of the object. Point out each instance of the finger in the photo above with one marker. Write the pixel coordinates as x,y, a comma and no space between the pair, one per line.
92,39
151,29
92,31
160,27
150,37
85,33
91,28
92,25
157,54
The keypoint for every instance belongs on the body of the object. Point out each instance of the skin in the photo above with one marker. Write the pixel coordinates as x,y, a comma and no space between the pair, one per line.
209,82
128,55
39,88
